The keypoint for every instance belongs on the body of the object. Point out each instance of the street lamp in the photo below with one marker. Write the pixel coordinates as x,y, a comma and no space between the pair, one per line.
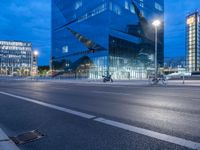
35,53
156,24
34,62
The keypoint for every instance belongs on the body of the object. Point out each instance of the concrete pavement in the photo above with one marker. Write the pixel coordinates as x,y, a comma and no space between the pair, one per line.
6,143
144,82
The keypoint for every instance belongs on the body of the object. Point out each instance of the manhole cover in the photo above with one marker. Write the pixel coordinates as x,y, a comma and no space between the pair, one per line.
27,137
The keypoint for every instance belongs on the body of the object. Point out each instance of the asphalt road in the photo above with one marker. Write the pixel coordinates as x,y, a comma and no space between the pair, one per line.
172,111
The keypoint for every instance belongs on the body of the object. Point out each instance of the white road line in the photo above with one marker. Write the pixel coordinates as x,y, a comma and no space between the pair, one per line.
77,113
149,133
6,143
105,92
153,134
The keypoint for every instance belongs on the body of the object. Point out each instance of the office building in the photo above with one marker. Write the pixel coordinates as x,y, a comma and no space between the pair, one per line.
101,37
193,42
15,58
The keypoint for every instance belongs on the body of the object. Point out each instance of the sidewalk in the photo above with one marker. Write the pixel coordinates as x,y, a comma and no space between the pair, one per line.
129,82
184,83
6,143
143,82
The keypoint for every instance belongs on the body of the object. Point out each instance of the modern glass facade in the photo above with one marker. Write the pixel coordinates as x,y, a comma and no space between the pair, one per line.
193,42
100,37
15,57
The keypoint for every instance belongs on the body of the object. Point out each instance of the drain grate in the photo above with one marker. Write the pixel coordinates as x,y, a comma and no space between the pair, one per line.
27,137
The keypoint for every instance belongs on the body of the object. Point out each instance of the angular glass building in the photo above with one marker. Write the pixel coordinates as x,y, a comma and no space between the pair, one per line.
101,37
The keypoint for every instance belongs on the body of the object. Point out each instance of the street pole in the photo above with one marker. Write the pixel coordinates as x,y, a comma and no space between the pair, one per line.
156,51
35,61
156,24
51,66
12,70
6,72
0,66
183,78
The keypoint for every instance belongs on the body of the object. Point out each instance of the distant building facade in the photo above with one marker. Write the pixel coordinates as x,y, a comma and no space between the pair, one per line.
193,42
175,62
99,37
15,58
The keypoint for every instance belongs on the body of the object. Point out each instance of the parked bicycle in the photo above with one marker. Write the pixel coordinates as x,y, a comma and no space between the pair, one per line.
107,78
158,80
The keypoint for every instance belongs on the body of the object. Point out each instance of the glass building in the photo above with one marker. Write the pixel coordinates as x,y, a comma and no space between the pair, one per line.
101,37
15,58
193,42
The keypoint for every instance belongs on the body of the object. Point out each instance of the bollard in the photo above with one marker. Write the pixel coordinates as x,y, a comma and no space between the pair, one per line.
183,79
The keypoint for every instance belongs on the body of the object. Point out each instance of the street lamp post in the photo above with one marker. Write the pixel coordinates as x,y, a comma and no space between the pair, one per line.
0,67
51,66
35,62
35,53
156,24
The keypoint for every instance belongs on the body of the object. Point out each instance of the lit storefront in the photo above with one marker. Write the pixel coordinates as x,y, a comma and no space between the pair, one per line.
99,37
15,58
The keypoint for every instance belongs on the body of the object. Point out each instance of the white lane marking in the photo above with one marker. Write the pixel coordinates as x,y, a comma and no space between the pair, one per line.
6,143
152,134
77,113
149,133
105,92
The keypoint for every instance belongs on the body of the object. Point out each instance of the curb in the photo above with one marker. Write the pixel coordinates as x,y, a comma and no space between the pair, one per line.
6,143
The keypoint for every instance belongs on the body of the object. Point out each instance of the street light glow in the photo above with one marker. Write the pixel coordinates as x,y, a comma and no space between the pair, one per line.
36,53
156,23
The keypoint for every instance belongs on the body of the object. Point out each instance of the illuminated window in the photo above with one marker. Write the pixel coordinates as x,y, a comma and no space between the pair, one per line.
117,9
126,5
132,9
158,6
190,20
101,8
65,49
78,4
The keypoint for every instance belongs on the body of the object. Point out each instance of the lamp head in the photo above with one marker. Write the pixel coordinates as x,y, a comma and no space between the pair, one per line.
36,53
156,23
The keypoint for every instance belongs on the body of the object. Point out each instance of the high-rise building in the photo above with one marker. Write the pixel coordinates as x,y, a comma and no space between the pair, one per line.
193,42
100,37
15,58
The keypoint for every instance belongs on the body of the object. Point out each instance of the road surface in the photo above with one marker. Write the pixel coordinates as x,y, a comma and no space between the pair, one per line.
78,116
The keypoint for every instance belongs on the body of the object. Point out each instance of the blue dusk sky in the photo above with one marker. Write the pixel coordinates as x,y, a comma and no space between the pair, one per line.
175,20
29,20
